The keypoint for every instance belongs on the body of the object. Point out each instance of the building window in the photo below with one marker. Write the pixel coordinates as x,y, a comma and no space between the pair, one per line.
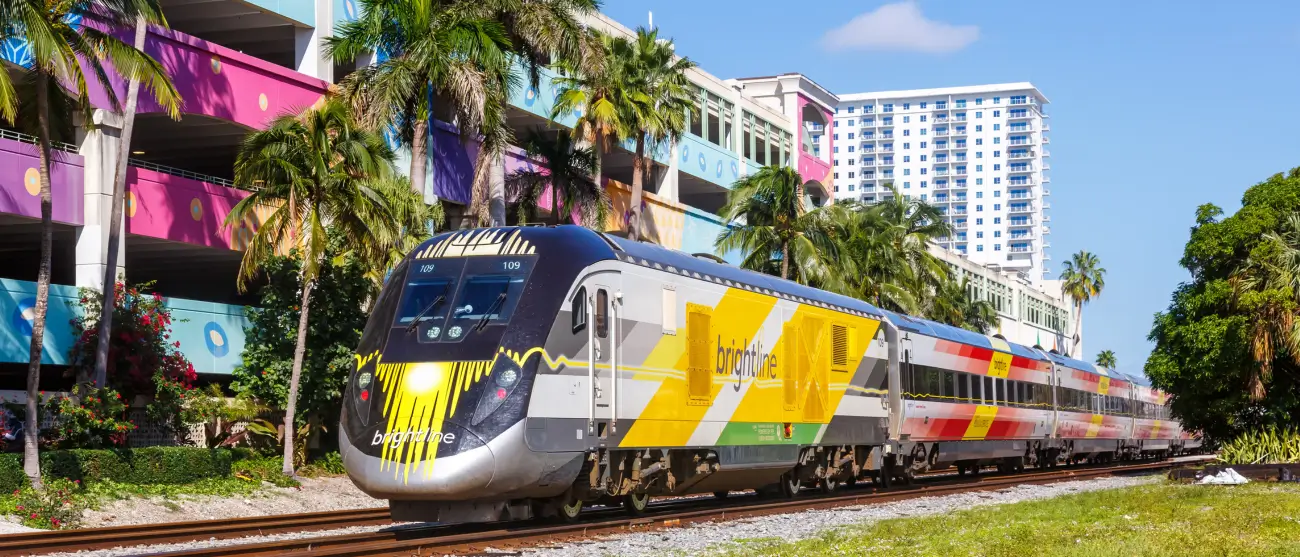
978,140
997,220
997,113
997,167
979,128
979,181
907,106
923,183
850,176
836,149
979,195
979,234
979,114
853,162
923,172
907,172
997,247
907,146
907,133
996,206
923,116
836,162
979,208
850,111
922,131
907,119
922,146
979,101
836,175
997,181
887,107
997,127
850,135
997,140
922,158
979,154
835,136
997,154
850,185
837,188
997,100
979,222
979,247
922,106
996,233
850,148
997,193
907,185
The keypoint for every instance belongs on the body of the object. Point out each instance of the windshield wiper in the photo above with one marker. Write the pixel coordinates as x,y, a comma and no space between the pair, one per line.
487,315
415,323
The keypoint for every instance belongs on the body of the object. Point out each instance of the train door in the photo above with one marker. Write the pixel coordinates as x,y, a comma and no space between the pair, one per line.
905,375
1056,403
604,307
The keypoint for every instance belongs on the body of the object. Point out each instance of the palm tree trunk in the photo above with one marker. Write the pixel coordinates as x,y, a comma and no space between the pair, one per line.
419,155
31,429
555,200
115,218
638,176
299,351
1078,324
785,259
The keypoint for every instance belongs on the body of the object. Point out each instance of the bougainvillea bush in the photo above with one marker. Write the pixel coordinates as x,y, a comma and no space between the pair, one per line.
88,418
142,357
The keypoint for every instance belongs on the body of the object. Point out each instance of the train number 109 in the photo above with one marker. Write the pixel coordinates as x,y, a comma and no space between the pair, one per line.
510,265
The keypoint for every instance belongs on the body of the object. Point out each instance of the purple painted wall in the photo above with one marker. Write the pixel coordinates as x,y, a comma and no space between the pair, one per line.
20,186
220,82
453,164
184,210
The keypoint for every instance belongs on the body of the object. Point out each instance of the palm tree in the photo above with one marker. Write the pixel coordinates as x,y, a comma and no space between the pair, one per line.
434,50
1082,279
774,230
952,303
641,91
318,169
165,94
663,98
1267,287
887,259
1106,359
567,175
64,53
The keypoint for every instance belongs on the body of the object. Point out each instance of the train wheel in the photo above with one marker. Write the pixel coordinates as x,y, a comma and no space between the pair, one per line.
635,503
829,484
721,494
789,485
961,469
569,509
883,478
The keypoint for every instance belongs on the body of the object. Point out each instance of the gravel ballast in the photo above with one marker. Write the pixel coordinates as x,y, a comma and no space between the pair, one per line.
698,539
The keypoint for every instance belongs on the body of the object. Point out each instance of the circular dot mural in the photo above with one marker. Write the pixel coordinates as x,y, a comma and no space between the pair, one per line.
735,170
686,153
350,9
32,181
261,101
216,65
530,96
23,316
719,170
215,339
130,204
196,209
704,165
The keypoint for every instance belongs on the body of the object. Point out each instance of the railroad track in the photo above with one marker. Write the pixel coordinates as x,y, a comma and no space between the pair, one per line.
421,539
127,536
475,538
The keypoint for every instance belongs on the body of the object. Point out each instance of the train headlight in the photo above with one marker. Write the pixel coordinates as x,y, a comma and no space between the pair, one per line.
507,378
363,380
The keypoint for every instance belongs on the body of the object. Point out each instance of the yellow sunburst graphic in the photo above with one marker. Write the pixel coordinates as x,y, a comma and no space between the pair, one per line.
419,397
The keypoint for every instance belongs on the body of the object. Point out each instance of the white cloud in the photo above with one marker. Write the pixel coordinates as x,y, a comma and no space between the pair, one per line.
900,27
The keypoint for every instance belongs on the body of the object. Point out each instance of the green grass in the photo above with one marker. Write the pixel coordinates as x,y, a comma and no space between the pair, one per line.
1173,520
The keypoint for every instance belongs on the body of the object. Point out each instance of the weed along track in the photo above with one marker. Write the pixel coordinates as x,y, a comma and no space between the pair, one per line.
468,538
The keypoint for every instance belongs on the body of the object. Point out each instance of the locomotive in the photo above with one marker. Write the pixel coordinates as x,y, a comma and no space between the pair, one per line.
520,372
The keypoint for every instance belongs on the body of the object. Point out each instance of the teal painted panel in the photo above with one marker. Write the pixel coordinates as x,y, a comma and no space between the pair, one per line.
211,334
345,10
302,11
18,306
700,230
705,160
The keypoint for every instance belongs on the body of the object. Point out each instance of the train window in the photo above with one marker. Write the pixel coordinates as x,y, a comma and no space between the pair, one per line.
1002,390
948,383
699,336
578,310
424,297
602,313
963,386
669,310
989,397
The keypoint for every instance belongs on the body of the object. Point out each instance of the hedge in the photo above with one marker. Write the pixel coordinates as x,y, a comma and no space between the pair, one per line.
150,465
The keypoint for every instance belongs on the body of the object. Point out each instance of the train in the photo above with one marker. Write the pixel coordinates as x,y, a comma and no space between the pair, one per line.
526,372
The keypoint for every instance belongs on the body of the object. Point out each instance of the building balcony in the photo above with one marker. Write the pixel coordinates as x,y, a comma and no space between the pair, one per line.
1020,169
938,107
941,187
1047,218
1016,156
1047,127
867,137
1024,142
885,162
886,136
959,226
1047,245
939,120
868,149
1047,166
959,212
1046,153
1047,256
1046,192
1020,223
961,132
960,199
1020,208
1024,236
1019,249
1026,102
941,159
1021,181
1046,205
887,148
941,146
942,174
1047,179
941,133
1011,130
1019,115
1046,140
1046,230
886,124
959,171
1025,195
959,118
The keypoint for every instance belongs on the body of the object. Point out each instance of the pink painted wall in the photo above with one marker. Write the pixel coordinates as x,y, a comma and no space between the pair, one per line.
184,210
811,167
20,186
220,82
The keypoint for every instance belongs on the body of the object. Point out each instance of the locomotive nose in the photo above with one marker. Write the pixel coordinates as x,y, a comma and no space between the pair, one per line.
417,464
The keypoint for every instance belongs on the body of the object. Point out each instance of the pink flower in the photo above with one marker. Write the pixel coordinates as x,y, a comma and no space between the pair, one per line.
33,515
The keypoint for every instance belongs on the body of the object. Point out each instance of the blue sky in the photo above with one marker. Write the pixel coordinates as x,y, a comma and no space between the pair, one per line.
1156,107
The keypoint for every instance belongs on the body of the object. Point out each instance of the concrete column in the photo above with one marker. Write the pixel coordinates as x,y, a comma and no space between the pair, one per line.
497,191
308,57
666,179
99,148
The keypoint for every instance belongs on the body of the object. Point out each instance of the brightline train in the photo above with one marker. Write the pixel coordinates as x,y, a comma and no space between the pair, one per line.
511,373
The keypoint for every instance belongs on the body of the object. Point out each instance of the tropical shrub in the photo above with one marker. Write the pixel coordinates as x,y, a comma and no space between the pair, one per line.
87,418
56,507
334,330
1269,445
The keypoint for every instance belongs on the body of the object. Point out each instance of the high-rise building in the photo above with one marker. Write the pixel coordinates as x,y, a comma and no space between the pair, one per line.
978,153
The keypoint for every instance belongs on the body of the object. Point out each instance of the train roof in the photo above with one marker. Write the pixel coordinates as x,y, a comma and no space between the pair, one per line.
643,253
